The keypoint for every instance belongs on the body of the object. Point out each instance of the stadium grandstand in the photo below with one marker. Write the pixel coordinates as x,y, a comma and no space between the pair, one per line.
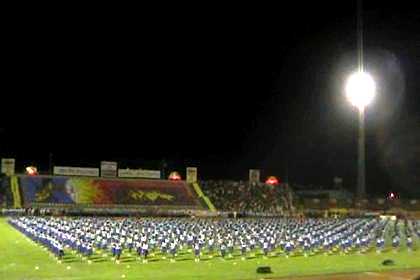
127,227
84,194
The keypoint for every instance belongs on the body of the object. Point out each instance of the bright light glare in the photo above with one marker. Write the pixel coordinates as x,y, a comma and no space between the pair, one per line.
360,89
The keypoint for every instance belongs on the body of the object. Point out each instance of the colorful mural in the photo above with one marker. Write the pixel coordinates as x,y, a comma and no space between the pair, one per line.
78,190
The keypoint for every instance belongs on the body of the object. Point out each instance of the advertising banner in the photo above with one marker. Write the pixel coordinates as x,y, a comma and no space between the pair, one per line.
8,166
109,169
254,175
76,171
191,175
139,173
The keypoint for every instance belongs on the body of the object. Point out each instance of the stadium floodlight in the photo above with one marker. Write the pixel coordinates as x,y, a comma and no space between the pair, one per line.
360,89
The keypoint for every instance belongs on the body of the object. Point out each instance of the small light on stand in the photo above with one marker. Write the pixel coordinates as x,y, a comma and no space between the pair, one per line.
31,171
272,181
174,176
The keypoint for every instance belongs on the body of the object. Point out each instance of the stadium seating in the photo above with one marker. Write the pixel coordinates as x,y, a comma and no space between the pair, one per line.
80,193
243,196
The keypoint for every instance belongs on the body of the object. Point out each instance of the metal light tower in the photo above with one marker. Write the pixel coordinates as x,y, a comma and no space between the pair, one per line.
360,91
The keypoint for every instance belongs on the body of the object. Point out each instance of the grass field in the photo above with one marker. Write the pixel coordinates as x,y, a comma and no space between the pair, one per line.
21,258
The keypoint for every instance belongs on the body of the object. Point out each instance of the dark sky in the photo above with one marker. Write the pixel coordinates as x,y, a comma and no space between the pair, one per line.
222,88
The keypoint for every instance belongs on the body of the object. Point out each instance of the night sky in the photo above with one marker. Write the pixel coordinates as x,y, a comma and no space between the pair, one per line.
221,88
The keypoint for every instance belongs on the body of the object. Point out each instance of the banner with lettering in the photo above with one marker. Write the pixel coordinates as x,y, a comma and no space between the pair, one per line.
139,173
8,166
109,169
76,171
254,175
191,175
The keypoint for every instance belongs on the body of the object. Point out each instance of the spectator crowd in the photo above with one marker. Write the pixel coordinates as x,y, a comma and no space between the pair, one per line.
243,196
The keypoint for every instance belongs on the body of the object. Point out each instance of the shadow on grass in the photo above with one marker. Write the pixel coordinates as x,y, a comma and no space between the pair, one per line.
152,260
74,260
127,260
99,260
183,259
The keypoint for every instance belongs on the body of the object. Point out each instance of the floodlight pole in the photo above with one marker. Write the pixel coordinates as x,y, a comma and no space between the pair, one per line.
361,177
361,180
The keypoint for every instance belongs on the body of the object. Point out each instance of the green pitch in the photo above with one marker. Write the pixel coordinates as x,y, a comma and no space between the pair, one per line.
21,258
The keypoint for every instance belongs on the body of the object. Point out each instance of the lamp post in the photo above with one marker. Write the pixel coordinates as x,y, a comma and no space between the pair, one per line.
360,91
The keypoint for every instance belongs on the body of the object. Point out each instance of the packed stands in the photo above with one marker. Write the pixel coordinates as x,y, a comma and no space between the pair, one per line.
241,196
155,197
